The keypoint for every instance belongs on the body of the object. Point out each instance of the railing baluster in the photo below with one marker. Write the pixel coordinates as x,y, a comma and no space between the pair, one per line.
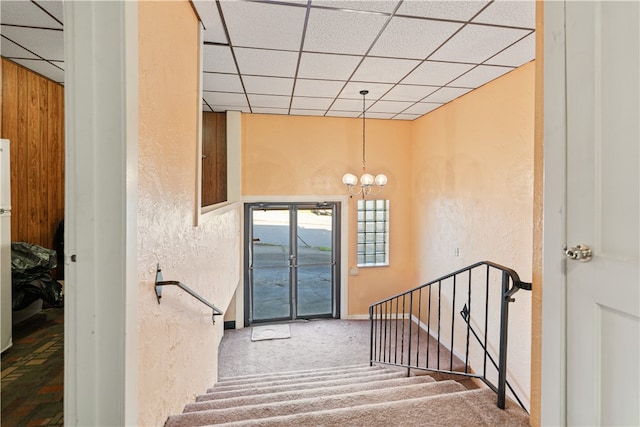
410,337
371,337
386,315
453,321
486,320
439,312
402,330
395,343
419,327
428,328
504,321
466,361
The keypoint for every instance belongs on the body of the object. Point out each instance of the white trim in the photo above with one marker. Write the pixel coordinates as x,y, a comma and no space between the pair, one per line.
344,235
101,129
356,317
553,357
197,214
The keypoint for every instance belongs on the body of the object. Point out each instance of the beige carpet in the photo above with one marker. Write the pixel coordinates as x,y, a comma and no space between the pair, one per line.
350,396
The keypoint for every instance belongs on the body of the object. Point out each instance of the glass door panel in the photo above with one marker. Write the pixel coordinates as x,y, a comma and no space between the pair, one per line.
314,261
270,264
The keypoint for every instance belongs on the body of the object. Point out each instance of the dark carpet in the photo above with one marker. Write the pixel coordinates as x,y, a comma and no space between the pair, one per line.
33,372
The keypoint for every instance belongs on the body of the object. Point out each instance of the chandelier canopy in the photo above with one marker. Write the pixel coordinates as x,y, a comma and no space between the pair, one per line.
369,184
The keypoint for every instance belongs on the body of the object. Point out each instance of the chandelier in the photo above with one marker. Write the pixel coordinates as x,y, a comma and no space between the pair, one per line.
369,185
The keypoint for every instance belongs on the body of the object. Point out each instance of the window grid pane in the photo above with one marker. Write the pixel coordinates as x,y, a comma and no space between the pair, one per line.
373,232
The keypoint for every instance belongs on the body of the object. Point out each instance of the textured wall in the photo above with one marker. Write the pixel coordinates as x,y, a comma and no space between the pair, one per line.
473,192
178,345
294,155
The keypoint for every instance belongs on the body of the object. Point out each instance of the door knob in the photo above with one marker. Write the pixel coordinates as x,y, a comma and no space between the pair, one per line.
580,253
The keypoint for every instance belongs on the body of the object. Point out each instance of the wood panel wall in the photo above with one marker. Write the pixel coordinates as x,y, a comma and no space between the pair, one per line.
214,158
33,120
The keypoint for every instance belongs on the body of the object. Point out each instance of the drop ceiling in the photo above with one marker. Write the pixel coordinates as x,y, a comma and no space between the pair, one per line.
314,57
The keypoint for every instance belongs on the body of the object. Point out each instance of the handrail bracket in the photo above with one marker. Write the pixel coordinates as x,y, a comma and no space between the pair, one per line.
160,283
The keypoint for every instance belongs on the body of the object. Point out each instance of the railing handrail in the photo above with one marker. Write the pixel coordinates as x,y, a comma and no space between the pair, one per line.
384,315
160,283
511,273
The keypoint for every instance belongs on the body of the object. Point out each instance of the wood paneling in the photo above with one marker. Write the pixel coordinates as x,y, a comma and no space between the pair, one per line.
214,158
33,120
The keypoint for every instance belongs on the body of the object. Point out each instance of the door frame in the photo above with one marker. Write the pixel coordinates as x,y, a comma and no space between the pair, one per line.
293,288
344,247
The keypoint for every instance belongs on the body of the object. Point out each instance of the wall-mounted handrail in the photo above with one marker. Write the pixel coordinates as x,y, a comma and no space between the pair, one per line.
160,283
393,318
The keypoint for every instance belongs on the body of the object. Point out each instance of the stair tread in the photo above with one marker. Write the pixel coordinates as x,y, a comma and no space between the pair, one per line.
463,408
347,400
287,387
308,378
302,394
294,372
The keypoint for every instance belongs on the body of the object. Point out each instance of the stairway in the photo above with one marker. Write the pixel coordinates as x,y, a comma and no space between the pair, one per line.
345,396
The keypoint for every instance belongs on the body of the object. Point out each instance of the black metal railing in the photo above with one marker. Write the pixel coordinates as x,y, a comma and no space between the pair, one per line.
160,283
417,329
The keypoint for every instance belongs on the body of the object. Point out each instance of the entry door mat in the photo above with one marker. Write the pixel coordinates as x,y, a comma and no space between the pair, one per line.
270,332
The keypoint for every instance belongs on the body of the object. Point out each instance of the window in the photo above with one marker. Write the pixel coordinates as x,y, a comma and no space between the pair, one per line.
373,233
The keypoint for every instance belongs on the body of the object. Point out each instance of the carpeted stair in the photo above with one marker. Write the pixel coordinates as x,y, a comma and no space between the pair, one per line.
345,396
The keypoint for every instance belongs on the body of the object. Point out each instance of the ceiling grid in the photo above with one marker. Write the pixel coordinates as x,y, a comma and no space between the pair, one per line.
312,57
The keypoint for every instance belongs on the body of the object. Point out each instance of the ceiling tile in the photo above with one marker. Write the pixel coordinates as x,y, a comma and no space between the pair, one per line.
328,67
446,94
412,93
299,112
54,7
385,6
218,59
44,68
421,108
436,73
268,85
262,110
380,115
26,13
383,70
376,90
48,44
412,38
266,62
479,76
311,103
406,116
213,29
509,12
266,25
227,99
354,105
455,10
476,43
342,32
326,88
334,113
518,54
9,49
221,82
389,107
269,101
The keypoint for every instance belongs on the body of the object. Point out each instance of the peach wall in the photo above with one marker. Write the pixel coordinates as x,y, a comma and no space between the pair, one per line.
473,191
178,345
297,156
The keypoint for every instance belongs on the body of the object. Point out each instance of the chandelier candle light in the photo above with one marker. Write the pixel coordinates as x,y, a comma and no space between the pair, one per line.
369,185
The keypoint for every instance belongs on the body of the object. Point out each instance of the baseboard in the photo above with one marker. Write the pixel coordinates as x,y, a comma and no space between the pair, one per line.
356,317
231,324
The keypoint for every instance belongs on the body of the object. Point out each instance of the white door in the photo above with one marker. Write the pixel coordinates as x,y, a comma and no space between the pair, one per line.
602,199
